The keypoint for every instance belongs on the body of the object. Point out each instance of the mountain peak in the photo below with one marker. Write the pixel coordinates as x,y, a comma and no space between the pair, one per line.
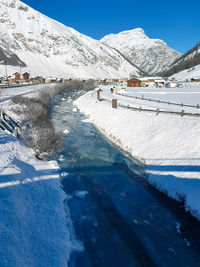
136,31
150,55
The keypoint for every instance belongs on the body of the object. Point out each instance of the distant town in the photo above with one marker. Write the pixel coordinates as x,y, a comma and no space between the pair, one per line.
18,79
150,82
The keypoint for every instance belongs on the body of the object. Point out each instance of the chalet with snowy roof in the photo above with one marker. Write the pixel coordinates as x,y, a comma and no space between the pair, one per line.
16,78
134,82
149,81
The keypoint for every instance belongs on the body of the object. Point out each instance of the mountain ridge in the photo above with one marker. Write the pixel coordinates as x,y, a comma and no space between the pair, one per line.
49,48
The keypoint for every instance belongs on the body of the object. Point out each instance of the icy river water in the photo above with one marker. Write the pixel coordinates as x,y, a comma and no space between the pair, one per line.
119,219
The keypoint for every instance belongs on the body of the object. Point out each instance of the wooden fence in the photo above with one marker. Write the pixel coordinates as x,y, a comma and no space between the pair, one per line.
7,123
159,101
157,111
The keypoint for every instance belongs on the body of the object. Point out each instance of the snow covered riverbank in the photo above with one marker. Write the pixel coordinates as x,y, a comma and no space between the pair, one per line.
169,144
34,230
33,227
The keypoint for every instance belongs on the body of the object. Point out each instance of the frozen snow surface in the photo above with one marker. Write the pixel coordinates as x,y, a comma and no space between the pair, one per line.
151,55
168,144
49,48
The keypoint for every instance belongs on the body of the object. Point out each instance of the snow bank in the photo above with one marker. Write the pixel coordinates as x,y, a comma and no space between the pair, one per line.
33,229
169,144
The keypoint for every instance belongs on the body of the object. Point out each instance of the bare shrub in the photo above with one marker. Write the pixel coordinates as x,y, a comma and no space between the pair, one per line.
74,85
43,139
37,128
37,113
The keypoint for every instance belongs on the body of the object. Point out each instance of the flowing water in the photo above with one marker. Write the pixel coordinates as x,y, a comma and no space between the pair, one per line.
117,216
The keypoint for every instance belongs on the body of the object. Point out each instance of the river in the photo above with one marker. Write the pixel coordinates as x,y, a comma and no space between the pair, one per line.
119,219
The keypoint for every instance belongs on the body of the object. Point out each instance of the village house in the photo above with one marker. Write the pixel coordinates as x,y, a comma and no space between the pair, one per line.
4,81
16,78
26,77
160,83
122,80
38,79
134,82
107,81
152,81
50,80
195,80
99,81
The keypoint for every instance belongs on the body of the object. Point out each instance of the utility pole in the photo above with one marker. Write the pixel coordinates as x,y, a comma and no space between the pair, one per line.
6,71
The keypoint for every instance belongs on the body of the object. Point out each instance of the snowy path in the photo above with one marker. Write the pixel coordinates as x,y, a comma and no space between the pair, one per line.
8,93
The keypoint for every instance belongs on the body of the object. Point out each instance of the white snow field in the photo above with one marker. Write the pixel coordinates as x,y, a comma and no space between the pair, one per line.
168,144
34,228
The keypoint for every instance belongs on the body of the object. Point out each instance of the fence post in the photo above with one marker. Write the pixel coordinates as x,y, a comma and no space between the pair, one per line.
114,103
158,110
16,132
182,113
99,94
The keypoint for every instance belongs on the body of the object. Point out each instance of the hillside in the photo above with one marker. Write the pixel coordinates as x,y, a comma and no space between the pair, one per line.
50,48
188,61
188,74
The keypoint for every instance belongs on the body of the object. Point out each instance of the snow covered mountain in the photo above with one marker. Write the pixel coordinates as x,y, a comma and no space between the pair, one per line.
49,48
151,55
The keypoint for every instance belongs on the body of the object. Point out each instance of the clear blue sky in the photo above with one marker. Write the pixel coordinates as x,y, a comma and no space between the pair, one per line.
176,22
